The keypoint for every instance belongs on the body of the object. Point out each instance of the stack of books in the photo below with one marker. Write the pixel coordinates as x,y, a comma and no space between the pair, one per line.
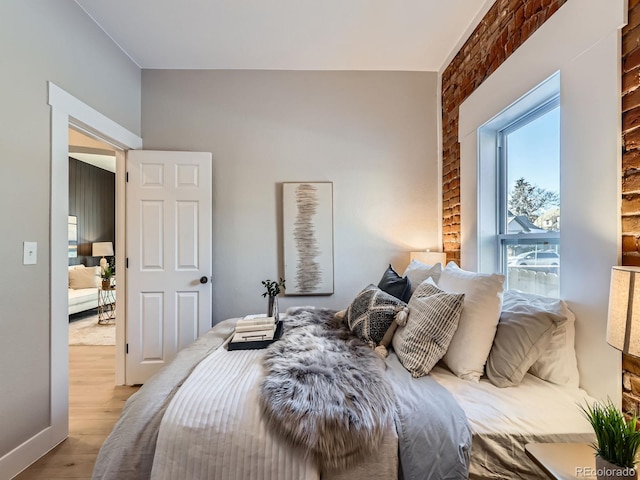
255,331
254,328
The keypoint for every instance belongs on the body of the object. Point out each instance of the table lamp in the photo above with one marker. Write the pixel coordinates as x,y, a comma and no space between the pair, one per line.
428,257
623,320
102,249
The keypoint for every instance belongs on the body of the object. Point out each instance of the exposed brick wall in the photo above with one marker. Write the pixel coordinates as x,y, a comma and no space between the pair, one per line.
631,180
502,30
631,137
630,385
505,27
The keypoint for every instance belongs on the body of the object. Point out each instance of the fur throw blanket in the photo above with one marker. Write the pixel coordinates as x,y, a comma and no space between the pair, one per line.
325,391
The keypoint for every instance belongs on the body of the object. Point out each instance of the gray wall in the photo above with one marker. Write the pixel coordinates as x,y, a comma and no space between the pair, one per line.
373,134
41,40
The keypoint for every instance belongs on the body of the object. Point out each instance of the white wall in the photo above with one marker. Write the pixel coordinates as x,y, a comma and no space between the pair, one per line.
373,134
41,41
581,41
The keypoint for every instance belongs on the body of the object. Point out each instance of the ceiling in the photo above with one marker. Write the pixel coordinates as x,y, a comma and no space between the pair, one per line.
403,35
105,162
92,151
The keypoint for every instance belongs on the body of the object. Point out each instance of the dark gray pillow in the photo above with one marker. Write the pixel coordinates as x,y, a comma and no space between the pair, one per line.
371,313
523,334
395,285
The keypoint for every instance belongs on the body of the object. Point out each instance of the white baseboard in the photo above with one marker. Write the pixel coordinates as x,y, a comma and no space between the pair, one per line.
27,453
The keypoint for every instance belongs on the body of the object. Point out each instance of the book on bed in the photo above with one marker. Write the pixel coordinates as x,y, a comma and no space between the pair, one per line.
252,324
254,333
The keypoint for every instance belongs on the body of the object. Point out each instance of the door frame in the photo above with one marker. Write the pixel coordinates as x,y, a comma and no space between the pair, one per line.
67,110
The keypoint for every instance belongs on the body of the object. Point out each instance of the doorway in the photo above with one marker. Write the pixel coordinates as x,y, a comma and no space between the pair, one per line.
92,241
66,111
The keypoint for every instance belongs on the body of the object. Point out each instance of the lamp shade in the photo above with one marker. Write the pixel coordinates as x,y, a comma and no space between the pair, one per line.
623,322
102,249
429,258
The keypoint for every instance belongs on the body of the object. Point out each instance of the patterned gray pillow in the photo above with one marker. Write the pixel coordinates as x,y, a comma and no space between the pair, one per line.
371,313
433,319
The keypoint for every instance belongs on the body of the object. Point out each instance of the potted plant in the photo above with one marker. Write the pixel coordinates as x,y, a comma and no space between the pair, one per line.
617,441
273,290
106,276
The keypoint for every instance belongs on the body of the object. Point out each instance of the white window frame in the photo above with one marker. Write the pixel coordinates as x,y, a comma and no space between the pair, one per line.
502,188
489,170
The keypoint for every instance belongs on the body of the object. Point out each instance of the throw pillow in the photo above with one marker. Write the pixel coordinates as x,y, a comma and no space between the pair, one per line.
417,272
422,291
524,332
395,285
557,363
432,322
471,344
84,278
371,313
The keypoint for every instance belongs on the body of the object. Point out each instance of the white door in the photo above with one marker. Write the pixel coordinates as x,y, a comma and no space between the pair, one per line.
169,256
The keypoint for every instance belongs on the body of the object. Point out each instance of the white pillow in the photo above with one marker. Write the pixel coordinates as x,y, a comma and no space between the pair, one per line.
417,272
471,344
84,278
73,267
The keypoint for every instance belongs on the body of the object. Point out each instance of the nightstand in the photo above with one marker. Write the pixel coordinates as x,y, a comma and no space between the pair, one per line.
564,461
106,305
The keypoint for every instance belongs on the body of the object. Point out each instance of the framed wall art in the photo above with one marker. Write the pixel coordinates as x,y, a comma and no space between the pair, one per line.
73,236
307,217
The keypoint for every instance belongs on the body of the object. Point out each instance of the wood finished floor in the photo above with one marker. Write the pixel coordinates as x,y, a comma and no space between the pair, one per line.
94,406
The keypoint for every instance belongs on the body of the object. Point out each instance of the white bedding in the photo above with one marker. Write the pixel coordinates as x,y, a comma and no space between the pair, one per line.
504,420
219,419
217,406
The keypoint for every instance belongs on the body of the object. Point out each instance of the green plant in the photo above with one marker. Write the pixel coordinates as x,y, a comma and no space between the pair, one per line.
273,287
108,272
617,439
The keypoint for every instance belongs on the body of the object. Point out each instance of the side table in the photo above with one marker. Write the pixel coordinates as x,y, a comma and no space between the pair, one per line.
564,461
106,305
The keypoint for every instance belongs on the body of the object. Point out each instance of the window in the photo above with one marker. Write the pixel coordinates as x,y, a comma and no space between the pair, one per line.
529,200
519,183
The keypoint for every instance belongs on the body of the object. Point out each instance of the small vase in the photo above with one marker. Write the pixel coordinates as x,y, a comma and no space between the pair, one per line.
272,308
106,284
606,470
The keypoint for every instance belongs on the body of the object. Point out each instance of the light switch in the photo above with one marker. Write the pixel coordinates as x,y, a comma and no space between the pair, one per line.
30,255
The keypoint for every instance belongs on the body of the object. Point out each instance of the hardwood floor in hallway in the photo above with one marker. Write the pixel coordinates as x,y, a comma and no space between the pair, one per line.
94,406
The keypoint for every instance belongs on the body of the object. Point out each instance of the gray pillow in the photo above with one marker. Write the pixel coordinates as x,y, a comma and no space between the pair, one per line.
433,319
523,334
371,313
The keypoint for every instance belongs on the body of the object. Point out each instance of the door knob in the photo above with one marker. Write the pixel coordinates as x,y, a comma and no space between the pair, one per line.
203,280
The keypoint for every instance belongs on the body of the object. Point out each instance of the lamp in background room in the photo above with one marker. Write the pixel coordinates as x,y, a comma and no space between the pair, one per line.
428,257
102,249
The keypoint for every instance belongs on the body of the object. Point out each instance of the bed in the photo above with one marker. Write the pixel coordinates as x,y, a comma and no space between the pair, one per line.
215,413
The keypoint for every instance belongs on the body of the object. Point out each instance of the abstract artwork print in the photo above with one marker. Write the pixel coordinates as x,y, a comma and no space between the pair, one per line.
308,237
